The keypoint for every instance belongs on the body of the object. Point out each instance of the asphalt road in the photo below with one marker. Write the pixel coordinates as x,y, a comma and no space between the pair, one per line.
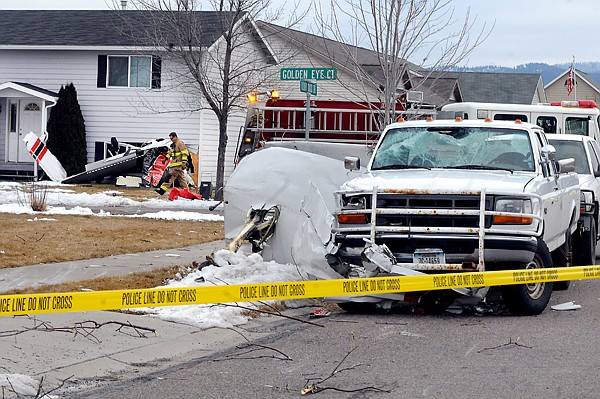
402,355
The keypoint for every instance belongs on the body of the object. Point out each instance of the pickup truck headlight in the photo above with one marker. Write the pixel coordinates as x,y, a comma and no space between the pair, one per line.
513,205
353,203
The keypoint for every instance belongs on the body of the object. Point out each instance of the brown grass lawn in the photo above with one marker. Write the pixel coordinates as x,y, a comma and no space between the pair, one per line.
27,239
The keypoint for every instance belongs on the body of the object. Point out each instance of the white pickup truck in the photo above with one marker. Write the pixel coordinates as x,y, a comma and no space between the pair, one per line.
446,195
586,153
459,195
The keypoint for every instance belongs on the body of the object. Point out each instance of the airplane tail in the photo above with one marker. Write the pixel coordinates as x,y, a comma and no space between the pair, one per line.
47,161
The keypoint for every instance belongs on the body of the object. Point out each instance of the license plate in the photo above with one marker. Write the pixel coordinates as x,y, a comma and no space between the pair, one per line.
431,256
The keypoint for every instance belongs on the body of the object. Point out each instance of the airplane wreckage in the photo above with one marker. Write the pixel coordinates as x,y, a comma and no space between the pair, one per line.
123,158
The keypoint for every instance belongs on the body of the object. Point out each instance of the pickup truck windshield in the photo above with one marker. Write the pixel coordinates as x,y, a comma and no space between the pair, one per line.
455,147
575,150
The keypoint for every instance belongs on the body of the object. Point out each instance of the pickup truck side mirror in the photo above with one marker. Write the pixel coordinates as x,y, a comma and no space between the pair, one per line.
352,163
566,165
549,152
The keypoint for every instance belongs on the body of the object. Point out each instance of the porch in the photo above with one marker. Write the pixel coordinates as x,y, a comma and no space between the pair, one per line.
23,109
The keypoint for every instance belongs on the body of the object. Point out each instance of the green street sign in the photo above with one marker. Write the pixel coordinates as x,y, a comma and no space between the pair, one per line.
308,74
308,87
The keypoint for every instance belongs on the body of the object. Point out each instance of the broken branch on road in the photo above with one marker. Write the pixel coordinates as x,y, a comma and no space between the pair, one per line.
84,328
316,388
510,342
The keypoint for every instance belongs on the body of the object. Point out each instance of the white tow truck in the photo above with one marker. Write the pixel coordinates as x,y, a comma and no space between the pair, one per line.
436,196
581,117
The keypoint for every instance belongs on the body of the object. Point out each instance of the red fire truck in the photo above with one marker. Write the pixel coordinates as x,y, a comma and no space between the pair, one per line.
330,120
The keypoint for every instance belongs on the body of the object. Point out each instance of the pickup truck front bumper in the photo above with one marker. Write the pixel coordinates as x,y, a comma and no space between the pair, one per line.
460,251
454,230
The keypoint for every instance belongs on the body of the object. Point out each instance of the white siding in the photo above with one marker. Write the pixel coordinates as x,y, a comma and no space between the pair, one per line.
557,90
345,88
131,114
247,55
209,139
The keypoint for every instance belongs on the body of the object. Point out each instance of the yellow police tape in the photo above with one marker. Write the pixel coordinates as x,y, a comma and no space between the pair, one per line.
11,305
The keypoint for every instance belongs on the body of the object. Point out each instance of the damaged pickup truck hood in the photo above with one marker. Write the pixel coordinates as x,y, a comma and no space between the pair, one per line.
423,180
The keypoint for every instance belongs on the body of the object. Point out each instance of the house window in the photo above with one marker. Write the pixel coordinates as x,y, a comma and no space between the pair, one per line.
129,71
12,122
140,71
31,107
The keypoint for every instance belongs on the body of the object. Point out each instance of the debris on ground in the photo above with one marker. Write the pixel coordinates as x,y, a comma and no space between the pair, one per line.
566,306
320,312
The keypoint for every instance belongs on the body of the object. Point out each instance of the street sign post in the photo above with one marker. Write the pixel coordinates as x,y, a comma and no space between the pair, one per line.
308,74
308,87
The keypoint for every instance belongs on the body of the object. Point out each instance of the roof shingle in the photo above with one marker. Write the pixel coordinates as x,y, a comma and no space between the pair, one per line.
95,28
509,88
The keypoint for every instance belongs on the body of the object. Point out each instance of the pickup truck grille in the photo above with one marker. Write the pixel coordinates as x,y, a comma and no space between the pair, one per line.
431,202
457,223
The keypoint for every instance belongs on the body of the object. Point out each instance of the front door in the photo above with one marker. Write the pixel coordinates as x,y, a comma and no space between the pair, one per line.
30,120
24,116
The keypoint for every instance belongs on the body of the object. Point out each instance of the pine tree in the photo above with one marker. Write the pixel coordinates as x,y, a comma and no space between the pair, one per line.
66,131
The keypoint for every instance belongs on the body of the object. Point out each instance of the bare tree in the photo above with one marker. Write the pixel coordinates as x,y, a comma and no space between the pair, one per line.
222,55
396,31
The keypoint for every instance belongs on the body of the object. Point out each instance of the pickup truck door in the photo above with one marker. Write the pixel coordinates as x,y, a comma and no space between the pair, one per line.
552,189
568,186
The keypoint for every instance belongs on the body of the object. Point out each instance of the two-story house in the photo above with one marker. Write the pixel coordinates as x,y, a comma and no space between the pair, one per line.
127,88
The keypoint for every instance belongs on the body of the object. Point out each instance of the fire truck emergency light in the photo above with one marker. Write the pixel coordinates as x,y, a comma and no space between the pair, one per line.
252,97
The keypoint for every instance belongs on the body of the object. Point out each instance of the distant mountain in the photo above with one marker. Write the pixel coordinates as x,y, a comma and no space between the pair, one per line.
548,72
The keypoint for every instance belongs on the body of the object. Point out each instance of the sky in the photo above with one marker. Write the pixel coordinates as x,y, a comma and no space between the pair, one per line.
549,31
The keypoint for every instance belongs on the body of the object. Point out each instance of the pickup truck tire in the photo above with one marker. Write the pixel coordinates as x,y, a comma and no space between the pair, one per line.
584,248
530,299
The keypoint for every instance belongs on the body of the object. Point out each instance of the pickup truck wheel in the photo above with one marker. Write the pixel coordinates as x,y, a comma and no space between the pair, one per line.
584,249
530,299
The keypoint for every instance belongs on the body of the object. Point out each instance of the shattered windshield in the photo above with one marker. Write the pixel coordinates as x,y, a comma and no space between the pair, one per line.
455,147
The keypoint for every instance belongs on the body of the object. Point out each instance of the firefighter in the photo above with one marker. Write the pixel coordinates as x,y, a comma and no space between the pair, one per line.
178,157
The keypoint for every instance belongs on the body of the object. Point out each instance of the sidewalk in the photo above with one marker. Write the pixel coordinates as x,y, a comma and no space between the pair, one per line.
91,357
54,273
